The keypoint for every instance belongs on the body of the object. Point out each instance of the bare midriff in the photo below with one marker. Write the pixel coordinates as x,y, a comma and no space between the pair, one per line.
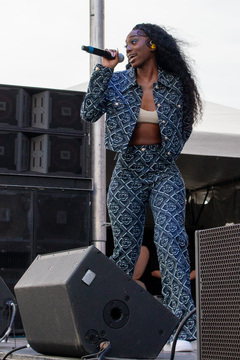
146,134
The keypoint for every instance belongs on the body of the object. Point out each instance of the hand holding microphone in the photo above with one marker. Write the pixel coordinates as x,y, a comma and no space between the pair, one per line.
108,55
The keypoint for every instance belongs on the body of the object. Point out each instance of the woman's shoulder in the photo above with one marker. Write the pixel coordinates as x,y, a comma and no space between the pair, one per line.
169,79
121,75
122,79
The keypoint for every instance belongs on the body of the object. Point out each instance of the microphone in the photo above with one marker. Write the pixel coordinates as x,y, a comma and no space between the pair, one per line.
103,53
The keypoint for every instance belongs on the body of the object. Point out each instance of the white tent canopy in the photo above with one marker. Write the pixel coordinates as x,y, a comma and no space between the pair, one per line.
212,154
217,134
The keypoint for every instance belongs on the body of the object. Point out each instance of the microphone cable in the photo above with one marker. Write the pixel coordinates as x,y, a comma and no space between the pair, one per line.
104,348
16,349
13,307
182,323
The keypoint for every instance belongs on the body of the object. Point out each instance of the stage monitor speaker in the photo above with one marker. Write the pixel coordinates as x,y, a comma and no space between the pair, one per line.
72,301
5,297
218,292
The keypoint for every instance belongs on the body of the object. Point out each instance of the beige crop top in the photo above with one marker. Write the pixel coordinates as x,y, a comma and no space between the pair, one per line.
146,116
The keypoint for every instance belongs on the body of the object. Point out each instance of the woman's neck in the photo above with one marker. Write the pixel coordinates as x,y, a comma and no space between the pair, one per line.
147,74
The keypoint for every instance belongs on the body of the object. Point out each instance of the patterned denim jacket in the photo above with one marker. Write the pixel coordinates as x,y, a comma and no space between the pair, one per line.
119,96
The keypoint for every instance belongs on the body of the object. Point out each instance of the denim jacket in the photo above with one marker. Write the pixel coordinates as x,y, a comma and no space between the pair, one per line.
119,96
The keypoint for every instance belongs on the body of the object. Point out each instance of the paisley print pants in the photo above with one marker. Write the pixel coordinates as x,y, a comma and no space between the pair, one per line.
145,175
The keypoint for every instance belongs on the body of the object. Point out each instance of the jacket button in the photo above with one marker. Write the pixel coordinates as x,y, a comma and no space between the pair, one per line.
169,153
96,68
166,138
116,104
158,105
164,121
143,148
179,106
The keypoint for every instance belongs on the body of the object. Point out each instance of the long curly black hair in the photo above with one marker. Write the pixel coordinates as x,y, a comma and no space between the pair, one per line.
171,58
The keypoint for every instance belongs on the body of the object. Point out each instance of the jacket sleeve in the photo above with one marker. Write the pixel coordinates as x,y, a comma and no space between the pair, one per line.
187,123
94,104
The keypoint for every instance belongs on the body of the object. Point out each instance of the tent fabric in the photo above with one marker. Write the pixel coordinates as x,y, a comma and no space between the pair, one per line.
212,154
213,144
219,119
217,133
210,164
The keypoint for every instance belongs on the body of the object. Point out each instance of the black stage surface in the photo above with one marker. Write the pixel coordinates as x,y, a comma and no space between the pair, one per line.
28,353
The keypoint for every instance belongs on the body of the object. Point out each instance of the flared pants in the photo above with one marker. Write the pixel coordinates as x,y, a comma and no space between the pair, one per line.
145,175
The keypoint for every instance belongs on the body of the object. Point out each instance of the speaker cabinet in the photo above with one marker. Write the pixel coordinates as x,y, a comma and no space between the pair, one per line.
218,292
58,110
14,151
15,207
15,107
72,301
15,238
5,297
58,154
61,221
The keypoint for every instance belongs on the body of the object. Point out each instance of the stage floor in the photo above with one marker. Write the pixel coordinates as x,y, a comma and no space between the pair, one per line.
28,353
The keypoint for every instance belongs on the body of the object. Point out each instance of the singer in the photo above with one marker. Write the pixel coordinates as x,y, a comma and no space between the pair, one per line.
150,110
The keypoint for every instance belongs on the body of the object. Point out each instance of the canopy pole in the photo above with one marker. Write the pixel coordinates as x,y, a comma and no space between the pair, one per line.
98,152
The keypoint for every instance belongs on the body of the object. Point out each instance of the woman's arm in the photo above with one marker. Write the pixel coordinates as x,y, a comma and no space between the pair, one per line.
94,104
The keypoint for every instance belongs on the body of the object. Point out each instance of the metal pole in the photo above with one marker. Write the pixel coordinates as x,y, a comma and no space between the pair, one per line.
98,153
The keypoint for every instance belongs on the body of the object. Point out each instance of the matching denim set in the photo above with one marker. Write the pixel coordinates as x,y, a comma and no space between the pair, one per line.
146,174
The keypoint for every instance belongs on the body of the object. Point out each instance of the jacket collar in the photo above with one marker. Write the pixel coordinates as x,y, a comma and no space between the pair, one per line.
164,78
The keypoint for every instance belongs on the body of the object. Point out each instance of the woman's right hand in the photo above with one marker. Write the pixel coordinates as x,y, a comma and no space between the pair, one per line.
111,63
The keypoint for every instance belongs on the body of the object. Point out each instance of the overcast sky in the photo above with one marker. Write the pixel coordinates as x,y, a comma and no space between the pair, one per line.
41,40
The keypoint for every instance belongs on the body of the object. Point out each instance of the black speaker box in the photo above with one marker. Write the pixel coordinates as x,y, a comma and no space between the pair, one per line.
72,301
61,221
58,110
15,107
59,154
5,297
66,111
218,292
15,209
14,151
67,154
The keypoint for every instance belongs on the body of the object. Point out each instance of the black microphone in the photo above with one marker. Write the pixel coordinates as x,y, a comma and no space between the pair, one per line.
103,53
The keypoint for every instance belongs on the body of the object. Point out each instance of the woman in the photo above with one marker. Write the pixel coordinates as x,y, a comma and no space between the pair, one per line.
150,109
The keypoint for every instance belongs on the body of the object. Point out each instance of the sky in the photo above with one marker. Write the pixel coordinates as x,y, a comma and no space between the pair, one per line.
41,40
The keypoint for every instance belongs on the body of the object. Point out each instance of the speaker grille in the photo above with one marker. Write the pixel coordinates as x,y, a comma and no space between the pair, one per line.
15,207
218,287
15,107
59,154
57,110
62,221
